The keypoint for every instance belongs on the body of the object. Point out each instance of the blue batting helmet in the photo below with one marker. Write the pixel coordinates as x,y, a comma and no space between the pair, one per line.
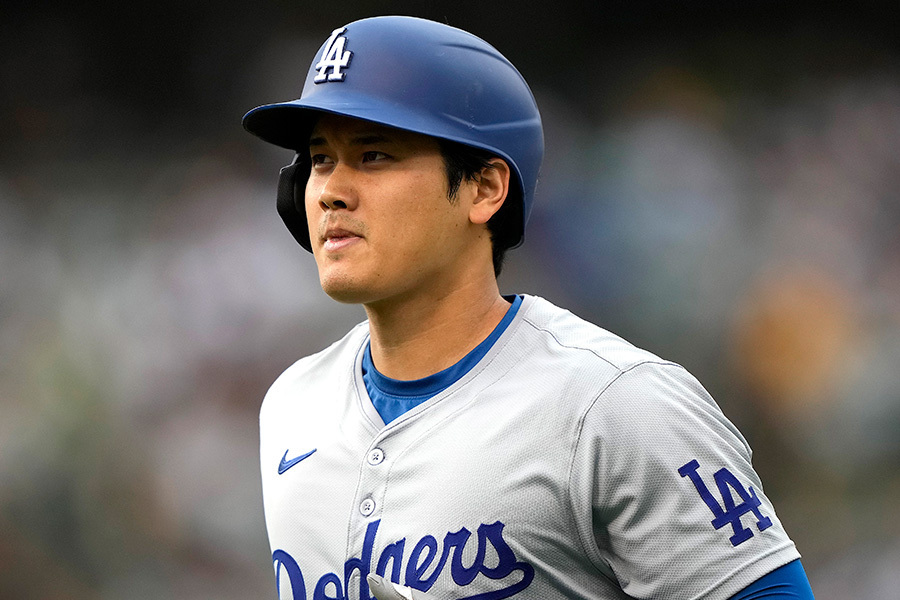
420,76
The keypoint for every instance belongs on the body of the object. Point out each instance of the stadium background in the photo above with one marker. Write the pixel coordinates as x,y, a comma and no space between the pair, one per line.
721,186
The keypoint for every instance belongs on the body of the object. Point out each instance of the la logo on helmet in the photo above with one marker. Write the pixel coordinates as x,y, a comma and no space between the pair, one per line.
334,57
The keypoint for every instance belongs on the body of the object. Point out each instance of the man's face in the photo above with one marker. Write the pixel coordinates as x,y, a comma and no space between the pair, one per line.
380,222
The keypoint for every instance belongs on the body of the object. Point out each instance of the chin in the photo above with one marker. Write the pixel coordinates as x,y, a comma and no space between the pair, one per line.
345,296
345,290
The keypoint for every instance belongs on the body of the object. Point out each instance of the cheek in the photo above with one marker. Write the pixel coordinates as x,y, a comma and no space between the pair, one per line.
428,236
424,217
310,194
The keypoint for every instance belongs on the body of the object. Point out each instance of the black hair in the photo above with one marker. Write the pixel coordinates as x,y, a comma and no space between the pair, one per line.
466,163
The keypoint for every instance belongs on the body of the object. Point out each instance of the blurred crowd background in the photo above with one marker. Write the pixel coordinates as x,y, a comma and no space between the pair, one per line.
722,187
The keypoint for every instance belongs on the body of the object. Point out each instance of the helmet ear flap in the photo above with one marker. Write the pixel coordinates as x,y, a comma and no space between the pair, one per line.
292,209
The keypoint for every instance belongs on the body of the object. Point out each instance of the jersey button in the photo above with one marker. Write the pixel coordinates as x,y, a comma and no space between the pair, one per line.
376,457
367,507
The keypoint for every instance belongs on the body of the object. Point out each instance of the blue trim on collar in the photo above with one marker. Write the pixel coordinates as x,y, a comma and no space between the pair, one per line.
393,397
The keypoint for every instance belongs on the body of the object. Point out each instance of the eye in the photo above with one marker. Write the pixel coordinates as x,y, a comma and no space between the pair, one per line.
374,155
320,159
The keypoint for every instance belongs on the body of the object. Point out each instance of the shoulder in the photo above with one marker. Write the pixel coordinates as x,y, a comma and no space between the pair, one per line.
563,333
630,398
335,355
607,384
322,368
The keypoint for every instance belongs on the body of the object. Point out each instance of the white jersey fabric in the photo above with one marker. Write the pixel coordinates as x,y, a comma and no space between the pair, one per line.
566,464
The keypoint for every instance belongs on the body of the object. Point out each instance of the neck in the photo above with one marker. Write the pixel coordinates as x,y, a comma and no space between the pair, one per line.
419,336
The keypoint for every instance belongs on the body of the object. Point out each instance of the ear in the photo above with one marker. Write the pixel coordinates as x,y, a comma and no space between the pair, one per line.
491,188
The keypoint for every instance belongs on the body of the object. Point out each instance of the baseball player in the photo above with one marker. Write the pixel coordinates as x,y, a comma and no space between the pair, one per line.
461,443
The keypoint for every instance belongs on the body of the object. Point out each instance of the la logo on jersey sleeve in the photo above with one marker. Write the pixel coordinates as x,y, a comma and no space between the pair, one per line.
334,57
728,512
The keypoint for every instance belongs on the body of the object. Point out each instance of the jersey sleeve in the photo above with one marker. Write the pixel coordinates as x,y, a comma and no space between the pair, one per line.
665,497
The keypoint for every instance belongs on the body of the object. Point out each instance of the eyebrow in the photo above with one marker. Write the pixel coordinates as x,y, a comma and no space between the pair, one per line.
364,139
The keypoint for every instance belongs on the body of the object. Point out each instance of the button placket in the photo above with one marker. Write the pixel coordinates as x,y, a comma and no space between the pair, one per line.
375,457
367,507
373,482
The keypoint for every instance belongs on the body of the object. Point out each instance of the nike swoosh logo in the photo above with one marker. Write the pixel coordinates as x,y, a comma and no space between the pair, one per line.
286,464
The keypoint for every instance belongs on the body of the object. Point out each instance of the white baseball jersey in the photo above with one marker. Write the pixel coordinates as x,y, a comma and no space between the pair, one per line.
566,464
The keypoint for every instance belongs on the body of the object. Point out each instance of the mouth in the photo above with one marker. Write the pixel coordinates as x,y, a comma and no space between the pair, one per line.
339,239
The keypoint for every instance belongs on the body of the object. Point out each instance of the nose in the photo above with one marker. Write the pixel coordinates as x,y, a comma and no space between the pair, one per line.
336,190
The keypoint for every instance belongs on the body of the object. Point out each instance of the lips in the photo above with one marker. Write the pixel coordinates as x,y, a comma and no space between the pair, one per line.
338,238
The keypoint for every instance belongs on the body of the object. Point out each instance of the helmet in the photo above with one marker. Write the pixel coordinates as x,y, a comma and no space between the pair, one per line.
420,76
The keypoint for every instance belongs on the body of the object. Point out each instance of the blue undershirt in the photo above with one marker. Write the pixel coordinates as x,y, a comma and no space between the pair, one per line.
393,397
785,583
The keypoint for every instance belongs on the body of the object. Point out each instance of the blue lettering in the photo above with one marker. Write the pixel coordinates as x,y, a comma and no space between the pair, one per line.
323,583
362,564
394,554
506,564
728,512
422,568
463,575
416,567
295,575
750,503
